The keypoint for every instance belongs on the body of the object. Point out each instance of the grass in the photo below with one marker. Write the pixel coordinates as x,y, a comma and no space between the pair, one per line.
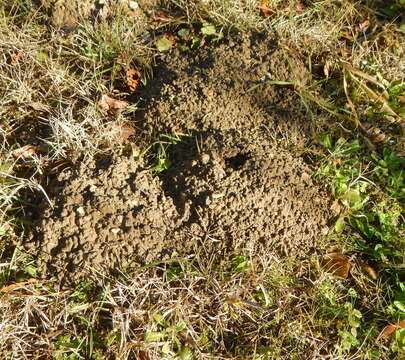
202,306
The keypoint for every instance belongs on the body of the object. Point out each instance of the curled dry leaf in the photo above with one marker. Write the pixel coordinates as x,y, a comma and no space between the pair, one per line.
108,103
37,106
338,264
378,137
133,79
143,355
336,207
161,16
370,271
387,331
16,57
363,26
390,329
26,152
13,287
264,8
326,68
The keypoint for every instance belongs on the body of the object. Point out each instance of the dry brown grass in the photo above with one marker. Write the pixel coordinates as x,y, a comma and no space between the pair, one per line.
180,307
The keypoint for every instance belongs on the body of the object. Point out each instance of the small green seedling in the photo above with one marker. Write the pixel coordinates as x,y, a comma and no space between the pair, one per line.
164,44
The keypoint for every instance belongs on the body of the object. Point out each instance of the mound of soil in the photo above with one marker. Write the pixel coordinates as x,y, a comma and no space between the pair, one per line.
250,198
105,216
68,13
227,87
230,187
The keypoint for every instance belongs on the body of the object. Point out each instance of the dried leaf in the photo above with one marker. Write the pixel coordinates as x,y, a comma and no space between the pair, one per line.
142,355
387,331
12,287
378,138
338,264
16,57
299,7
133,79
326,68
109,104
336,207
363,26
161,16
264,8
122,131
37,106
26,152
370,271
390,329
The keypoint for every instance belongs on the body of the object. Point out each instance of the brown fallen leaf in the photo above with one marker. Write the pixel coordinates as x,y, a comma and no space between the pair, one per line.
264,8
378,138
336,207
133,79
16,57
37,106
108,103
122,131
26,152
363,26
161,16
299,7
326,68
370,271
143,355
338,264
390,329
13,287
387,331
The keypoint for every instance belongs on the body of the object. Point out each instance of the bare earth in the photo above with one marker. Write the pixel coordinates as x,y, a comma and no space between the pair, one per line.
230,188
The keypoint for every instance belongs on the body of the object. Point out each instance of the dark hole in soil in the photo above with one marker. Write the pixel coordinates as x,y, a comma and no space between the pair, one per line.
236,162
131,182
104,163
87,195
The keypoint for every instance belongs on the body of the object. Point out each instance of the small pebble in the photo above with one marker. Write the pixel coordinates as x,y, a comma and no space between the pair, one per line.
80,211
205,158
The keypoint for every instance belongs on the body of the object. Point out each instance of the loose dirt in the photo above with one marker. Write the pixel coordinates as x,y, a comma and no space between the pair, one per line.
226,88
230,187
68,13
249,198
106,215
